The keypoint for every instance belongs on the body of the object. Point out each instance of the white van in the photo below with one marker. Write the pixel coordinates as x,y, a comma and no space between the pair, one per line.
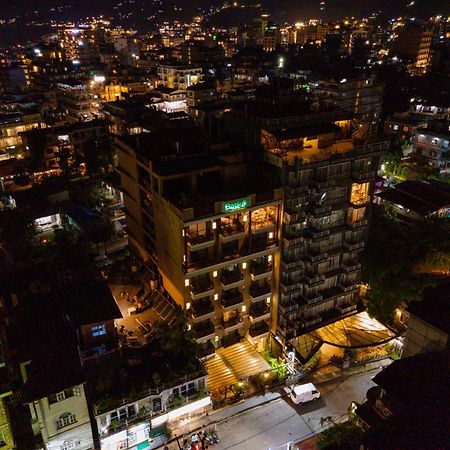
302,393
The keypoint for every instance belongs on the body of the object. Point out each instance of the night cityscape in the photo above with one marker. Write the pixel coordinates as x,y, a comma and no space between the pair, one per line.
224,225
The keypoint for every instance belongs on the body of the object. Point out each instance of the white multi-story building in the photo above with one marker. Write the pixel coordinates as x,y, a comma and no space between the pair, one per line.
62,419
179,76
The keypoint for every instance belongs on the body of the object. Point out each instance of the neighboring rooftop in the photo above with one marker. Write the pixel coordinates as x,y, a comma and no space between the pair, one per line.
91,301
419,196
434,307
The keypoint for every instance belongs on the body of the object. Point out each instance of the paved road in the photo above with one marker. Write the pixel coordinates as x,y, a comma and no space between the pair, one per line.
273,425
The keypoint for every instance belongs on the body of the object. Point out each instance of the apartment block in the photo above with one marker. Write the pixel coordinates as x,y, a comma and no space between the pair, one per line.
211,230
179,76
328,186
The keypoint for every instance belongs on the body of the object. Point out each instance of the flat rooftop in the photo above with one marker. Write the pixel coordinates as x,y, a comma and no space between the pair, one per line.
311,155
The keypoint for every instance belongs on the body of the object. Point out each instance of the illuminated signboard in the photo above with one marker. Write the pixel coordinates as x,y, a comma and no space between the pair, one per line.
235,205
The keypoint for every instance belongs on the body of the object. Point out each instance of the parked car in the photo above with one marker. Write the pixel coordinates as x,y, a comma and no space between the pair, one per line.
303,393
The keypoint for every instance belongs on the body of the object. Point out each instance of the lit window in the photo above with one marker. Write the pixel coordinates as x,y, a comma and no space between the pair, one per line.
244,265
186,282
215,274
268,300
99,330
244,308
271,235
214,225
269,258
188,305
216,296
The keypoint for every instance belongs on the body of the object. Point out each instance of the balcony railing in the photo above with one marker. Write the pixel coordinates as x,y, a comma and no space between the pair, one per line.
312,298
320,210
202,240
313,279
287,307
346,308
231,299
203,332
292,265
229,231
201,287
259,329
351,246
259,291
233,322
231,277
358,223
292,217
296,190
360,200
362,176
316,234
258,269
351,267
258,313
200,310
258,226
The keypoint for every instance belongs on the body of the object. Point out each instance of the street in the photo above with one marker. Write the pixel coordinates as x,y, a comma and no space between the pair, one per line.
273,425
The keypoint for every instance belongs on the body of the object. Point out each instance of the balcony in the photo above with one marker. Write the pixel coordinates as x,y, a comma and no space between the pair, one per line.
234,323
312,298
231,279
259,330
293,217
260,270
203,332
262,226
351,267
359,201
289,287
348,286
357,224
287,307
320,210
316,234
293,191
201,288
290,241
346,308
201,241
258,313
323,184
314,279
353,246
202,311
316,255
231,232
259,292
232,300
364,176
209,350
310,321
290,266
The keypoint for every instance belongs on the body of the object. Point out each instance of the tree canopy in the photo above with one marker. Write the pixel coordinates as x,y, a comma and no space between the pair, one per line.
401,260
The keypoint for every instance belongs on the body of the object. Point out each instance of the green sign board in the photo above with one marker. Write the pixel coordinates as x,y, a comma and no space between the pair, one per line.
235,205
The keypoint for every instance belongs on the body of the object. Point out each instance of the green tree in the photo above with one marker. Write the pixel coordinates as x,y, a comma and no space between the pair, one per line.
402,260
339,436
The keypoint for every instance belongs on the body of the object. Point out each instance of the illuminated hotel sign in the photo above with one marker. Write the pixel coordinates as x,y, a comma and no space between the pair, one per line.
235,205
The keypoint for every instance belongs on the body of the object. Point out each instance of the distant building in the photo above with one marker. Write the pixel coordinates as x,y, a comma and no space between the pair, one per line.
179,76
415,200
432,145
44,144
408,409
413,43
428,322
